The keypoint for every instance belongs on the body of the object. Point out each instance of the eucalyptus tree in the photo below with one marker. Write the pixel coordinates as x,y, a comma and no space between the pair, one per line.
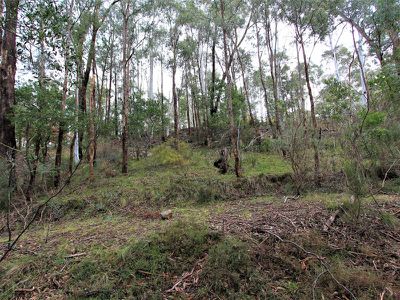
7,101
187,51
260,78
309,18
8,68
41,34
232,15
270,23
66,44
93,16
244,60
172,10
126,14
378,22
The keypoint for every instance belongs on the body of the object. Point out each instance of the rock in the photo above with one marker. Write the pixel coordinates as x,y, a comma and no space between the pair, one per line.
166,214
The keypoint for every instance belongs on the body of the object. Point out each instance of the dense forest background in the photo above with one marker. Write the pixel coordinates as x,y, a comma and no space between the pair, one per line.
116,107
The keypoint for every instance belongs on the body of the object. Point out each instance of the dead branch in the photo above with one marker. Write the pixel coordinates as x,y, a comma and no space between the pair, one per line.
387,172
76,255
315,283
196,270
286,198
331,220
38,210
25,290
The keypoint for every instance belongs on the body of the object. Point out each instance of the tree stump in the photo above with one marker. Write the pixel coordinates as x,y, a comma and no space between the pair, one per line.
222,162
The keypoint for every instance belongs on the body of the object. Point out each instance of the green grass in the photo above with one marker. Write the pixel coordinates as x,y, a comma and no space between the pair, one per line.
154,183
130,255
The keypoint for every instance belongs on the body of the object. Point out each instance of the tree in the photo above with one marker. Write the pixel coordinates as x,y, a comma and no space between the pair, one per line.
8,68
61,127
312,17
228,59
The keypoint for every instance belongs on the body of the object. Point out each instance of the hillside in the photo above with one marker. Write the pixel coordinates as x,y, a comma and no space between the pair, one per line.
227,238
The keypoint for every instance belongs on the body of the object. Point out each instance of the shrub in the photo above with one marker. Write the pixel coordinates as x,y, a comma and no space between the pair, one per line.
265,146
172,153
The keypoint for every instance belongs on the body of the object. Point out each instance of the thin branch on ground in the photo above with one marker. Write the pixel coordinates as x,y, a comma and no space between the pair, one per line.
321,259
315,283
38,209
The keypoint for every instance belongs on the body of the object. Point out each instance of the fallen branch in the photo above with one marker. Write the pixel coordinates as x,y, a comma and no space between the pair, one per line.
76,255
331,220
25,290
186,275
286,198
315,283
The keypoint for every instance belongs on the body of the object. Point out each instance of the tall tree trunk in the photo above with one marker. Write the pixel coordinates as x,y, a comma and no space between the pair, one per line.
246,91
71,154
61,129
7,87
116,103
228,92
187,101
33,171
162,99
150,90
317,176
273,70
86,74
263,84
175,38
302,104
108,104
91,131
361,56
125,74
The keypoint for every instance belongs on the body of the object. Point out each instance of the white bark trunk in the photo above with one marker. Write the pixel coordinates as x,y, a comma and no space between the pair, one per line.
334,57
76,144
150,92
363,98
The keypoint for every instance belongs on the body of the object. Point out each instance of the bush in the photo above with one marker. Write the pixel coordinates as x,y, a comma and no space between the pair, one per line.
172,153
265,146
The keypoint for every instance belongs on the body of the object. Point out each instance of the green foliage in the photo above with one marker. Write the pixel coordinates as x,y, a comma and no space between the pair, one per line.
37,108
374,119
148,117
265,146
356,181
171,153
337,98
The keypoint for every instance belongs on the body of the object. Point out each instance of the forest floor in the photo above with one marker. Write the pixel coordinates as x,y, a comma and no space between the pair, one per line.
226,239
